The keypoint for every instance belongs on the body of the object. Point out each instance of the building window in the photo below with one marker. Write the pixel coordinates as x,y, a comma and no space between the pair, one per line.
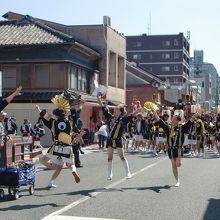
136,56
26,72
203,84
9,77
139,44
151,56
58,75
73,78
165,56
79,79
151,69
165,68
84,81
166,43
175,80
176,68
176,42
42,79
176,55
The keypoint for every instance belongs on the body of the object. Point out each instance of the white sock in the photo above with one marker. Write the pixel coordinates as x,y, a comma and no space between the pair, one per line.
110,174
73,168
51,184
126,166
177,183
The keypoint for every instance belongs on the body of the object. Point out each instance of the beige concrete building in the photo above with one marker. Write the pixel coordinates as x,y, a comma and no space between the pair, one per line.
112,47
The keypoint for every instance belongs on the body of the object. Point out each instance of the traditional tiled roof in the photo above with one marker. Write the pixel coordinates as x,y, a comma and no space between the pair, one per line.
29,32
143,74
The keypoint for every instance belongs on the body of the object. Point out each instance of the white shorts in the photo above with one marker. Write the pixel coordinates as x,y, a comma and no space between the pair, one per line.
190,141
165,139
64,153
187,141
37,144
212,138
138,137
27,139
145,140
57,161
194,142
159,140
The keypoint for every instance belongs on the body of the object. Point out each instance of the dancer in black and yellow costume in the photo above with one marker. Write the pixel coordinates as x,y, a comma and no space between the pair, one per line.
199,131
175,138
217,125
61,129
116,125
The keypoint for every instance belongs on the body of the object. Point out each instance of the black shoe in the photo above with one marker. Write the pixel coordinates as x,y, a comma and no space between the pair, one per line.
82,152
79,165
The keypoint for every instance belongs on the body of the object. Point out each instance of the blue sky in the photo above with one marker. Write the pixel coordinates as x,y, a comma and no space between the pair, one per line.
131,17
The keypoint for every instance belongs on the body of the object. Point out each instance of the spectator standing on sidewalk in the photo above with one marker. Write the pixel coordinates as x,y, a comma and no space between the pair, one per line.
92,126
38,132
2,128
11,126
102,136
25,129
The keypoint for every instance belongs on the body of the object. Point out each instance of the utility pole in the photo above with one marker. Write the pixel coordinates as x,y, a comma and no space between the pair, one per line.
149,25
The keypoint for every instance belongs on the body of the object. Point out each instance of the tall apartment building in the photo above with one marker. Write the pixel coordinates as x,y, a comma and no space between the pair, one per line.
167,56
201,69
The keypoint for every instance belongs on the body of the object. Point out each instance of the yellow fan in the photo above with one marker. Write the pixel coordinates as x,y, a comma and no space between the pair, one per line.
151,106
60,101
65,138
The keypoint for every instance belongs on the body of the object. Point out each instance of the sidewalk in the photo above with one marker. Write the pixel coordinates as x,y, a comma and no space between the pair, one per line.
91,147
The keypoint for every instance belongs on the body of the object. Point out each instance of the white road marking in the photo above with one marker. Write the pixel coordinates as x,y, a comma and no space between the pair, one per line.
62,217
94,194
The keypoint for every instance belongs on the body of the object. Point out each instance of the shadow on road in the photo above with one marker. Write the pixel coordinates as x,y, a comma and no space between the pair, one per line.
156,189
88,192
213,210
22,207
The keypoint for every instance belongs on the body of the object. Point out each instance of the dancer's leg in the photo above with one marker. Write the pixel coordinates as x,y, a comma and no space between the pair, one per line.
125,162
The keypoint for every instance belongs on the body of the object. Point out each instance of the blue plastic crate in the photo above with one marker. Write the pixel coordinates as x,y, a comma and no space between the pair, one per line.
17,176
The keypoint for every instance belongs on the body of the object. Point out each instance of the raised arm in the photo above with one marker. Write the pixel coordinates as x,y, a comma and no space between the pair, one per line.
105,109
7,100
160,122
156,116
45,116
15,93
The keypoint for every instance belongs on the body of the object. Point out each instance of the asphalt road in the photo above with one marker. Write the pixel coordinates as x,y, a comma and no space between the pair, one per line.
149,194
